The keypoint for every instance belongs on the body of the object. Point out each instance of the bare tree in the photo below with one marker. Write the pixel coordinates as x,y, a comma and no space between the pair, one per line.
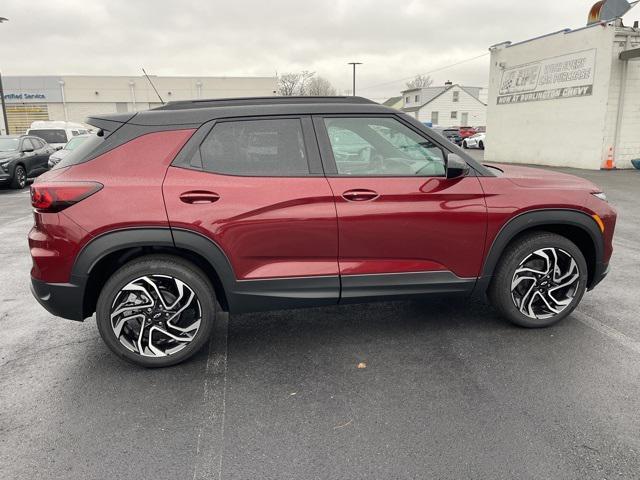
320,87
288,84
420,81
294,83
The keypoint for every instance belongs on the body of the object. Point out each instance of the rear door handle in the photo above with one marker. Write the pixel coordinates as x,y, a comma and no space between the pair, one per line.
199,197
360,195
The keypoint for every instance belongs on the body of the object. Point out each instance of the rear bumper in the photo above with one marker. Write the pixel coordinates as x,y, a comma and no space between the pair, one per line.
60,299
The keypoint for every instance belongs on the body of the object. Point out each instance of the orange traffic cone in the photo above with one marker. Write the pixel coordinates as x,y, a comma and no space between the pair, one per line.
609,164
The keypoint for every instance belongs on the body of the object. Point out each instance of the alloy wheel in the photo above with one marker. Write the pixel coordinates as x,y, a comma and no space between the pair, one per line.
21,177
155,315
545,283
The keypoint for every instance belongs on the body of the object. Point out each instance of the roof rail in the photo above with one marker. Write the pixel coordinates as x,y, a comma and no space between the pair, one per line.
232,102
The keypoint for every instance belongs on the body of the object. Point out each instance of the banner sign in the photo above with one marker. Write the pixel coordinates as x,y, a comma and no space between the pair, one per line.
549,79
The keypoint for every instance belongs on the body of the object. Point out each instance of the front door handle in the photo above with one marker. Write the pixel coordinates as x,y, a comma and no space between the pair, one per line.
199,197
360,195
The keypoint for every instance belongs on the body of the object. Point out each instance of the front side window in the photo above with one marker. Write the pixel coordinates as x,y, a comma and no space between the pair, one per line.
27,145
382,146
271,147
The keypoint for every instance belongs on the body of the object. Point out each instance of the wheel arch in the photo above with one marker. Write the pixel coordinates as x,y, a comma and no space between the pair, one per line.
575,225
101,257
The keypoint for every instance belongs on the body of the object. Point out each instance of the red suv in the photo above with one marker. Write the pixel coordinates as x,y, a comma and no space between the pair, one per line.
271,203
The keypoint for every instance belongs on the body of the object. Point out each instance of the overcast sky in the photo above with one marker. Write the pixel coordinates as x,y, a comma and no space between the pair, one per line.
393,38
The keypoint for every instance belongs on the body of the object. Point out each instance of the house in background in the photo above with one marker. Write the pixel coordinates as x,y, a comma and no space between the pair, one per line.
450,105
394,102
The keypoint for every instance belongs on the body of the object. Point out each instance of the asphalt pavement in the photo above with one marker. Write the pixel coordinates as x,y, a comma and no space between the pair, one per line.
449,390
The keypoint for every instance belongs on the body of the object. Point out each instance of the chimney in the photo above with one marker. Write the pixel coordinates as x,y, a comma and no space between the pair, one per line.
448,83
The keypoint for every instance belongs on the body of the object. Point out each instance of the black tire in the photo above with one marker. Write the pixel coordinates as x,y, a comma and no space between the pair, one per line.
464,145
166,265
500,293
19,180
481,145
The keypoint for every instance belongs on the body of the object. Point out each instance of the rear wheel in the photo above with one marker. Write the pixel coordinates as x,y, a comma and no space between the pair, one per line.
539,280
19,178
464,144
156,311
481,145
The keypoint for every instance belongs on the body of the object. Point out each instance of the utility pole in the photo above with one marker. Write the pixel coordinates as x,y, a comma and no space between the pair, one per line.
4,108
354,75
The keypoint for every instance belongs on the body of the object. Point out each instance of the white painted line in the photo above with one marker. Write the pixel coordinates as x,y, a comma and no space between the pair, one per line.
210,443
610,332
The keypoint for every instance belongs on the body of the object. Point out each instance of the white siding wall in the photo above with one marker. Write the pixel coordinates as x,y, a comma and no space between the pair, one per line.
562,132
629,147
444,105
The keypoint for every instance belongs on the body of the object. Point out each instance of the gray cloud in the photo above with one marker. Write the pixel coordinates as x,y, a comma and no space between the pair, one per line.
393,38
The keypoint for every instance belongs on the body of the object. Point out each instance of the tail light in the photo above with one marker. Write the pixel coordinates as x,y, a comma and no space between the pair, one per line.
56,196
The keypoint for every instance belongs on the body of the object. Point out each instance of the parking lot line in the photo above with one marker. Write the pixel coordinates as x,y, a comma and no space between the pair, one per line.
610,332
209,453
16,220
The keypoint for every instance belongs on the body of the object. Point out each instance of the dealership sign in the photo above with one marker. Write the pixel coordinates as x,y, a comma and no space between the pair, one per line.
25,96
549,79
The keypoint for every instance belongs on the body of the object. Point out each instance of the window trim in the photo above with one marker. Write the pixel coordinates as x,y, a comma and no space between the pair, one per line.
193,146
326,150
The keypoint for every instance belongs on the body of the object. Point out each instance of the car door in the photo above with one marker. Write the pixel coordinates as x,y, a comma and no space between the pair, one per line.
404,228
41,156
255,187
28,156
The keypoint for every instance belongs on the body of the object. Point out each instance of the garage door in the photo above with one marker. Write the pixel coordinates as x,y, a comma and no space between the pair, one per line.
20,117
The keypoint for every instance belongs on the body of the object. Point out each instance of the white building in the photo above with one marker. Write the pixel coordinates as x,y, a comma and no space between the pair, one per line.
448,105
74,97
566,98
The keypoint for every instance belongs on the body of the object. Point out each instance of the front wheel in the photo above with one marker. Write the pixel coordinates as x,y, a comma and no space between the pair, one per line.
539,280
156,311
464,145
481,145
19,178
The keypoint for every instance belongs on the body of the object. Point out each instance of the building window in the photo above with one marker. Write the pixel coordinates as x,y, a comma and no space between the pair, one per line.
407,100
456,96
417,98
434,118
454,115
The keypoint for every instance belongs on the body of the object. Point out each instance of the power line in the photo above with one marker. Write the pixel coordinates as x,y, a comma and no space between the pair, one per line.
426,73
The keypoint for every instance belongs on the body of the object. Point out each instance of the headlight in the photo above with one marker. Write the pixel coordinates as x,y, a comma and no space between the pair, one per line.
600,195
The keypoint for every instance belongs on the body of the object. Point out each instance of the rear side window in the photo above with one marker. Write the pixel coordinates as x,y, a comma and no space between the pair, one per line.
270,148
82,151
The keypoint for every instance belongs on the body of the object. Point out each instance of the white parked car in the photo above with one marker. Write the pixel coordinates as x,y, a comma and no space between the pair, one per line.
71,145
475,141
56,133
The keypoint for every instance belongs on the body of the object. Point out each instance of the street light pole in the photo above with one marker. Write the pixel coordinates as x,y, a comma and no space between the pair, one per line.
4,108
354,75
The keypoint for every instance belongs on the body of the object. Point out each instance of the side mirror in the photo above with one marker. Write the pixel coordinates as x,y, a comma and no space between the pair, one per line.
27,150
456,166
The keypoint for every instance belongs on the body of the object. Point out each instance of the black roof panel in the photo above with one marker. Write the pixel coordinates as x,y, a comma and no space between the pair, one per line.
236,102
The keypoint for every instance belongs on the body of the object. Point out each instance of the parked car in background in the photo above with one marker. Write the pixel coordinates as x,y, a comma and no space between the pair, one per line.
22,157
467,131
474,141
481,129
71,145
451,134
56,133
258,206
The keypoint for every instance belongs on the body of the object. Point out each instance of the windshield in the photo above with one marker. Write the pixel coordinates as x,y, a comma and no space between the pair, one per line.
9,144
50,135
75,143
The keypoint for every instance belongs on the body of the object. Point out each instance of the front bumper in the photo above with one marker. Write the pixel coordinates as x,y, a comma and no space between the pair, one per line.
601,271
60,299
